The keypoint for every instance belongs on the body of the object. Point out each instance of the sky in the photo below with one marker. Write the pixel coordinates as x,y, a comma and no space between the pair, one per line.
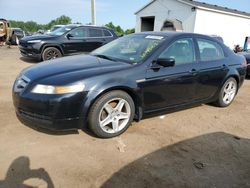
120,12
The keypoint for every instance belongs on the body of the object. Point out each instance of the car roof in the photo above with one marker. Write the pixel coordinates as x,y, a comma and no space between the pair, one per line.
171,34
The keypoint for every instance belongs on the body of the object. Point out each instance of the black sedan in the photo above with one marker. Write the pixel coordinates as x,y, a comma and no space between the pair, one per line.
131,78
67,40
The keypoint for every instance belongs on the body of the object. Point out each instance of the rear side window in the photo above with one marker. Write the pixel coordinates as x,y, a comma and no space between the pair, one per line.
95,32
107,33
210,50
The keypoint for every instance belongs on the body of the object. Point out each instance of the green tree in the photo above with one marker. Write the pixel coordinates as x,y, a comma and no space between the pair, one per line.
129,31
118,30
26,26
62,20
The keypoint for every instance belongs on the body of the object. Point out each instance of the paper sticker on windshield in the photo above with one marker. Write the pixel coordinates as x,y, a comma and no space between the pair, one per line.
154,37
67,29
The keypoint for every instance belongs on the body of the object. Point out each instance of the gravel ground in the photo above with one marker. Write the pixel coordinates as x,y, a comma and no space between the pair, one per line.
203,146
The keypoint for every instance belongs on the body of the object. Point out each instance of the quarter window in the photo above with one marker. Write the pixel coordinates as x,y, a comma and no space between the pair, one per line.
210,50
95,32
106,33
181,50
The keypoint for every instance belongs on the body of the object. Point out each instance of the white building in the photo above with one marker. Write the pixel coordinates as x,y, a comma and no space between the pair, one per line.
191,16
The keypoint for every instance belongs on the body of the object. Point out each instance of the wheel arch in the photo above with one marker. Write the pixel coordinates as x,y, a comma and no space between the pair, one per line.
135,97
52,45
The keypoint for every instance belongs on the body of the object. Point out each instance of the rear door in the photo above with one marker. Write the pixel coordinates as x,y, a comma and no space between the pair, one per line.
95,39
213,68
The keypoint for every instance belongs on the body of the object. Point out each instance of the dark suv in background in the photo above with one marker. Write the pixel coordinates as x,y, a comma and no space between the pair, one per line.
68,40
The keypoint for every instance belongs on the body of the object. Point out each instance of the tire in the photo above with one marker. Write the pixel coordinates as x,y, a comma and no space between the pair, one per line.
17,40
227,93
13,39
51,53
111,114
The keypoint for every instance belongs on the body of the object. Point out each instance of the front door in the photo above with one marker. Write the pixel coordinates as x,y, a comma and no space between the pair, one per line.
75,41
170,86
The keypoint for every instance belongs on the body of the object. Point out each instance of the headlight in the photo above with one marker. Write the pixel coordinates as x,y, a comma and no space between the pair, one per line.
33,41
47,89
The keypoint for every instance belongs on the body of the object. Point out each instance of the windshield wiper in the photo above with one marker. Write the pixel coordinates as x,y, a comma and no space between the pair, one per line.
104,57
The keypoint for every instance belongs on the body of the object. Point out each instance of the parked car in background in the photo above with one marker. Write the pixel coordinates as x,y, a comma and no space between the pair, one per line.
55,27
133,77
247,56
39,32
17,35
67,40
246,53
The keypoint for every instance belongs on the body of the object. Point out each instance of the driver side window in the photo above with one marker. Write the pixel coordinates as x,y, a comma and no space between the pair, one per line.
80,32
181,50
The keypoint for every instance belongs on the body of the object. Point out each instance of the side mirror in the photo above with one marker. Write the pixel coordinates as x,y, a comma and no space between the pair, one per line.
69,36
166,62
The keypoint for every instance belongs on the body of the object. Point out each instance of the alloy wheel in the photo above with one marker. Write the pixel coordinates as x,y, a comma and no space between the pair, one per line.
229,92
52,54
114,115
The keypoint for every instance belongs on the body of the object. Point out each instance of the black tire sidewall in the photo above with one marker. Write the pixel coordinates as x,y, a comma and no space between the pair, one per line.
93,120
50,48
13,39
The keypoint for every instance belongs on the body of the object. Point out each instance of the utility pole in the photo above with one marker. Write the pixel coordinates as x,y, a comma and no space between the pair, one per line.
93,12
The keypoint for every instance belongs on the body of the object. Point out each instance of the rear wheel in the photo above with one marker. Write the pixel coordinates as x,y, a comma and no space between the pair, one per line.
51,53
227,93
14,40
111,114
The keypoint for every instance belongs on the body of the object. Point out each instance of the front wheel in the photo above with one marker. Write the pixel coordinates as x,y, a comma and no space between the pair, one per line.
227,93
51,53
111,114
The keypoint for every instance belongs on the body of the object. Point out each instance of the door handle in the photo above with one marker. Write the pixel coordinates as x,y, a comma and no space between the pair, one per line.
224,67
193,72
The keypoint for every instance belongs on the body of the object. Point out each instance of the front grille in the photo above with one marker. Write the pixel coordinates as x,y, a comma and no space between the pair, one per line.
21,83
34,116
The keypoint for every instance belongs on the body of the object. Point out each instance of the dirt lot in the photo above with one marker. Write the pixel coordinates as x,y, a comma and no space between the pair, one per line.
199,147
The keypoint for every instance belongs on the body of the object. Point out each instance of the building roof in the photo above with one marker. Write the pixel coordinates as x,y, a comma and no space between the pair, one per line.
204,5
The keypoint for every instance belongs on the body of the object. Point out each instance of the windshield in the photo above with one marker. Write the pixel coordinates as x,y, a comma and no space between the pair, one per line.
131,48
55,28
60,31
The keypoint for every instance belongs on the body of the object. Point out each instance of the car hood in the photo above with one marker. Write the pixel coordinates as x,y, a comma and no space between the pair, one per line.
39,37
69,69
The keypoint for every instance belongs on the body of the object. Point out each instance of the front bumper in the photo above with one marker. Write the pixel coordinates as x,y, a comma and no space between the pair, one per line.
30,50
52,112
40,121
